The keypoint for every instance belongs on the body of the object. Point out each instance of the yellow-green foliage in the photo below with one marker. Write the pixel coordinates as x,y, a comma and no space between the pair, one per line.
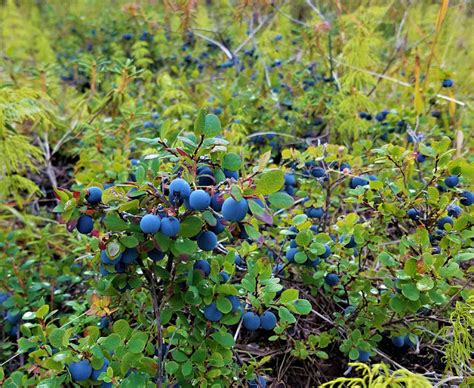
458,352
379,376
17,155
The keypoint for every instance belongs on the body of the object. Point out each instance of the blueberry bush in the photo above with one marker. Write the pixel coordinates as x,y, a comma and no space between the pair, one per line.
236,194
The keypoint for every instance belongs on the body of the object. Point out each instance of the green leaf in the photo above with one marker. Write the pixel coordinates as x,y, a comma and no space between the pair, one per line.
171,367
190,226
42,311
129,241
425,284
302,306
56,338
224,339
223,304
200,122
137,342
112,342
289,295
410,291
114,223
281,200
232,162
304,238
121,327
270,182
286,315
212,126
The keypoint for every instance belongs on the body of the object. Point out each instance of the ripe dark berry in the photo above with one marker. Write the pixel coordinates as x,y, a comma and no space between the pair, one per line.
454,210
447,83
170,226
96,372
85,224
156,254
467,198
233,210
80,370
327,252
202,266
212,313
207,241
129,255
363,356
251,321
199,200
451,181
358,181
179,188
268,320
444,221
398,341
413,213
94,195
150,224
331,279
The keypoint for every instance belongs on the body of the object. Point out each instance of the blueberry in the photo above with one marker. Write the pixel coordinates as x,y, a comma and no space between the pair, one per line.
129,255
327,252
467,198
202,266
219,227
290,254
156,254
199,200
216,202
235,302
96,372
238,260
409,341
105,259
13,318
85,224
290,179
224,276
344,166
150,224
104,322
179,188
358,181
351,244
262,383
205,176
318,172
4,297
420,158
398,341
170,226
314,212
233,210
268,320
454,210
207,240
231,174
363,356
94,195
331,279
127,36
251,321
211,313
413,214
451,181
80,371
148,124
447,83
444,221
